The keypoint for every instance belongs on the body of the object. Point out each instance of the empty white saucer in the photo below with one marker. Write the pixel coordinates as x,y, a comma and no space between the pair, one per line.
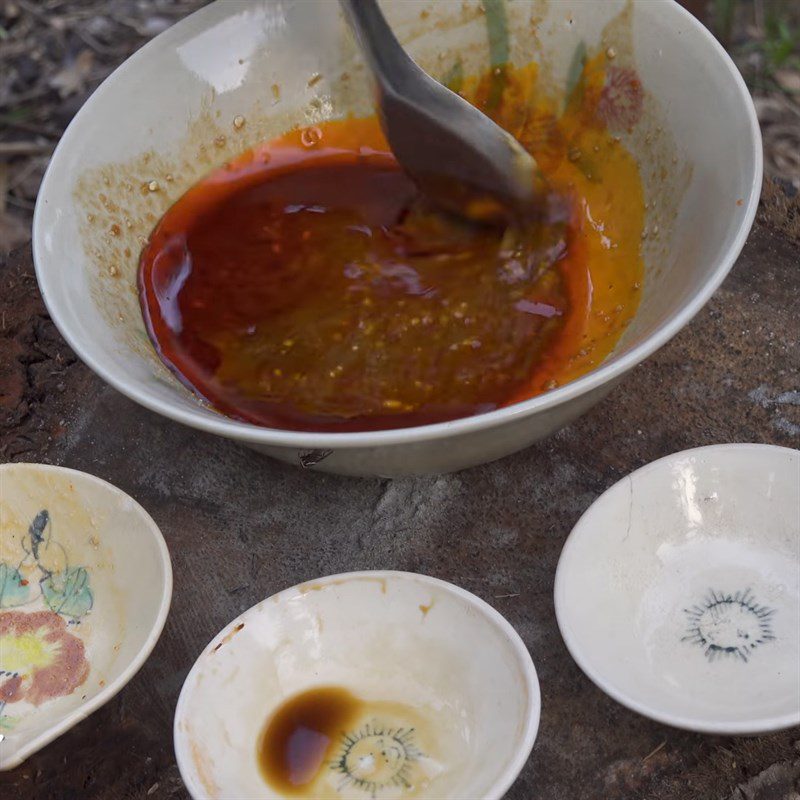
678,591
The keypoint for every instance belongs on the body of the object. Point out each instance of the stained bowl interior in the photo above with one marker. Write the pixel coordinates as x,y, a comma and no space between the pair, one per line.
386,637
165,118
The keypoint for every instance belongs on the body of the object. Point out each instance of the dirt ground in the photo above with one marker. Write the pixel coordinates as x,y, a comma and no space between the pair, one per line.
54,53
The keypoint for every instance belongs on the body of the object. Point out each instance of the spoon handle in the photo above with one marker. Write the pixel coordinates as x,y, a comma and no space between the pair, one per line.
390,63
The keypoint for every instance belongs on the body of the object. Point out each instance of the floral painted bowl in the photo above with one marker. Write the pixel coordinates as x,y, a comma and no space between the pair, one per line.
450,693
678,591
75,621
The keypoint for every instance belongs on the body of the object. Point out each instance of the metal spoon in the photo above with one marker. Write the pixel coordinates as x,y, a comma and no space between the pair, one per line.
456,155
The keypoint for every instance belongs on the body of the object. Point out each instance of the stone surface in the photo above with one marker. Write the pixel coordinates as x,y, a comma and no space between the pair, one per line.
241,527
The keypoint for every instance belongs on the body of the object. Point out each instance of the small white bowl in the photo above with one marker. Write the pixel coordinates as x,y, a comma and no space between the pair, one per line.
85,587
452,660
678,591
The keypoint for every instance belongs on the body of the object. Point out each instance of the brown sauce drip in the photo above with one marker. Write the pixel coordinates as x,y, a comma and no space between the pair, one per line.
299,737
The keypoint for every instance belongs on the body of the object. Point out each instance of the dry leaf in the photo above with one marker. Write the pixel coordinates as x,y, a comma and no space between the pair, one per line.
3,185
10,9
788,79
13,232
72,78
152,26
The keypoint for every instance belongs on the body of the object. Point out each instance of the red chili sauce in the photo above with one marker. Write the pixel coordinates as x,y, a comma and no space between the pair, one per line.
309,286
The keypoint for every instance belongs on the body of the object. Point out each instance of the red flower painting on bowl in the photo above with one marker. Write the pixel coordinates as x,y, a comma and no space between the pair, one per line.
39,658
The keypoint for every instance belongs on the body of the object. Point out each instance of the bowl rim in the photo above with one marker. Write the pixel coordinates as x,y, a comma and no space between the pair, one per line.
230,428
135,664
518,648
757,725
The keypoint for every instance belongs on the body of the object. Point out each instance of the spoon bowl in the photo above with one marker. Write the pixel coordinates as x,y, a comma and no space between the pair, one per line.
457,156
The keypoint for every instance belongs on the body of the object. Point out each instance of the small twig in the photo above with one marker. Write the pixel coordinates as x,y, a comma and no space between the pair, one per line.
20,203
34,12
657,750
3,186
129,23
505,596
178,9
15,47
758,14
84,13
9,149
24,97
30,127
789,105
31,167
98,47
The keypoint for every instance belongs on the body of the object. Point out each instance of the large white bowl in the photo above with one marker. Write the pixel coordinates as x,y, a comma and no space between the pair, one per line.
465,684
165,118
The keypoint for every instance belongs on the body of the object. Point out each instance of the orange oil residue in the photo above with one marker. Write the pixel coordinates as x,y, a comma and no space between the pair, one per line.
584,161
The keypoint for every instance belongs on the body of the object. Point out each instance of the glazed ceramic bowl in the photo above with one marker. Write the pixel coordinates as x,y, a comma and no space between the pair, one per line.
434,665
242,71
85,586
678,591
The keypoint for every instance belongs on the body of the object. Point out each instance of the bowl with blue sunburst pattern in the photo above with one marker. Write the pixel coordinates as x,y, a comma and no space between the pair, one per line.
678,591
